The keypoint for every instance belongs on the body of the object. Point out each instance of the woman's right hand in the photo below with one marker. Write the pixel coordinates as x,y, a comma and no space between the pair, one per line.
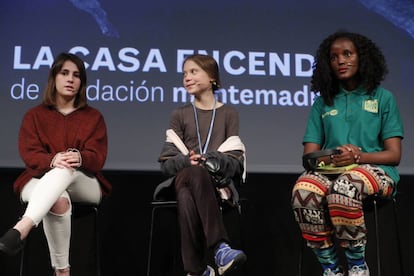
195,159
66,159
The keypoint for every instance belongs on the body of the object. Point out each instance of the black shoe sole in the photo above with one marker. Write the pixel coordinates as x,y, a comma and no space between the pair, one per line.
237,262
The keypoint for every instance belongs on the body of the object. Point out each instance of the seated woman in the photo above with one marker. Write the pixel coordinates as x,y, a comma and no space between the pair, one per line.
203,154
63,143
357,116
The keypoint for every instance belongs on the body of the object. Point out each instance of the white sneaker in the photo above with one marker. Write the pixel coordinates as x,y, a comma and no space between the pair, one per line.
358,271
329,272
208,272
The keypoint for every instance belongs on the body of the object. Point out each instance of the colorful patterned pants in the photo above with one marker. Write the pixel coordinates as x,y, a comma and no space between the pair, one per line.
332,205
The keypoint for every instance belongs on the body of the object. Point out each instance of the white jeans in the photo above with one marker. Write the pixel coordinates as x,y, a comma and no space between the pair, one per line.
42,193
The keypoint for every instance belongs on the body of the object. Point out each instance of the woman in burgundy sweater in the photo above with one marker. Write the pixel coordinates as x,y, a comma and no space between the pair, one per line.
63,143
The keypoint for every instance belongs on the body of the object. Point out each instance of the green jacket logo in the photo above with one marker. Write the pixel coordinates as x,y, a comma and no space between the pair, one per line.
371,106
332,112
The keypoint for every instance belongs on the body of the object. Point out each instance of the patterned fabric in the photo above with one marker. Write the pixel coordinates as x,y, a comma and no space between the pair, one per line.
326,205
355,256
328,258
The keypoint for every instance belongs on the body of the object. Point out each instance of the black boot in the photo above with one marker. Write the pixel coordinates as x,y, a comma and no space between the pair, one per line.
11,243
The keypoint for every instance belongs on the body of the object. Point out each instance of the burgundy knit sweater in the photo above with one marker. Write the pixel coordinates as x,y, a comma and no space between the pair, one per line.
45,132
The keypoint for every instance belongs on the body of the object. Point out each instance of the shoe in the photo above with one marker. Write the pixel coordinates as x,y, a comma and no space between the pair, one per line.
228,259
359,270
208,272
329,272
11,243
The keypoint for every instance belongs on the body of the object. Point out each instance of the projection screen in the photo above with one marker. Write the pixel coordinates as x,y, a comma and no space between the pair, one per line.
133,51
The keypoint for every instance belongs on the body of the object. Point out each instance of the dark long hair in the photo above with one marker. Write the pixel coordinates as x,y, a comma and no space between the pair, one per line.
372,67
49,97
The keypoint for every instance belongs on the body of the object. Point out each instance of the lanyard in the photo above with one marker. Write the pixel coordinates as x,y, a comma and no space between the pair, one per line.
210,130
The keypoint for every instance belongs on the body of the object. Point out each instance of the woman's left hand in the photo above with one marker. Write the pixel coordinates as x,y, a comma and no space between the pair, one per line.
350,154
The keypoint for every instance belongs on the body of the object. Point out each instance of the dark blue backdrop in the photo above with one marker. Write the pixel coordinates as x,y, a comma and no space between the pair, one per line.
134,49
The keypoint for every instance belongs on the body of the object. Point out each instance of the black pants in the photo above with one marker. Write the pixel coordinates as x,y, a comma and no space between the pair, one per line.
199,216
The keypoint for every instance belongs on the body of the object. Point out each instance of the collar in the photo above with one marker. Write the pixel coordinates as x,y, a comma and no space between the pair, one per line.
358,91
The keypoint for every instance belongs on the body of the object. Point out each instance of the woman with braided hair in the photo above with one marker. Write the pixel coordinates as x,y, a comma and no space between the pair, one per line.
360,119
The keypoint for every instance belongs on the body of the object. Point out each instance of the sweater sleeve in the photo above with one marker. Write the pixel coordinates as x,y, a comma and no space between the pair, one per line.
172,160
95,148
36,158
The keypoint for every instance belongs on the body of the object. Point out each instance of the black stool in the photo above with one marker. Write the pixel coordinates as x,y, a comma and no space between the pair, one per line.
155,205
375,202
79,210
372,203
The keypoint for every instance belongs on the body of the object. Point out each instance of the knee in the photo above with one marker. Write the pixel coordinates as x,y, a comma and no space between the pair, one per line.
345,188
61,206
306,195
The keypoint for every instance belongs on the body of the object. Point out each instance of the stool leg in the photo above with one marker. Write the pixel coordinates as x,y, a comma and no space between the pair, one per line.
397,231
150,241
97,246
22,262
300,258
377,236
